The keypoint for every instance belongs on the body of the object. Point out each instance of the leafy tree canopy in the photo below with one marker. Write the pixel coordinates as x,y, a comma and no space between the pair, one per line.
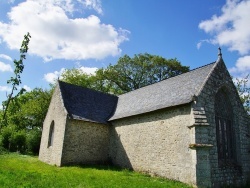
78,77
141,70
128,74
29,109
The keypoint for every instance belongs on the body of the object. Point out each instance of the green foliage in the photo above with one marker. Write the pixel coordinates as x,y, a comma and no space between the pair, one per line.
16,80
77,77
20,140
80,78
6,136
141,70
26,171
2,149
244,92
29,109
128,74
33,139
13,139
25,119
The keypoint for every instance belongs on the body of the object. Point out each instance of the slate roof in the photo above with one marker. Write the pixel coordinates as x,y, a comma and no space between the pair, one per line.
90,105
86,104
170,92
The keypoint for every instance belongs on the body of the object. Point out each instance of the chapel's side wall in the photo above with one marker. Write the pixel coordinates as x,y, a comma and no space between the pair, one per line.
57,113
205,128
85,143
156,143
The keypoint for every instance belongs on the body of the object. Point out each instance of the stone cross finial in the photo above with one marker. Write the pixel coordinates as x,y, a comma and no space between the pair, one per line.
219,52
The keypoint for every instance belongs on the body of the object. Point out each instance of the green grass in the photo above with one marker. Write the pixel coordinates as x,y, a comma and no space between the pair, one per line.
27,171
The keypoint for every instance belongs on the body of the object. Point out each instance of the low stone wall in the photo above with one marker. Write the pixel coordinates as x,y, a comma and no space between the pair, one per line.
85,143
156,143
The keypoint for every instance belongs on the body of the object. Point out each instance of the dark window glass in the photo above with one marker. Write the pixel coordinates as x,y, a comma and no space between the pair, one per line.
224,131
51,134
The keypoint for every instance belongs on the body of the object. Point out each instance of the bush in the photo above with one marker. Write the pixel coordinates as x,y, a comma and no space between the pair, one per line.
2,149
14,140
6,133
18,141
33,141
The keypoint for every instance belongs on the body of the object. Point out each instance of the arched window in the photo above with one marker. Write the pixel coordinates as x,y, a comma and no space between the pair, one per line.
224,129
51,133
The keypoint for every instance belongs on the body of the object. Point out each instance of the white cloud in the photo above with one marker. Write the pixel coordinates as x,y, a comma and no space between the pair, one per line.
53,76
93,4
3,56
242,66
199,44
5,67
27,88
231,27
5,88
57,36
88,70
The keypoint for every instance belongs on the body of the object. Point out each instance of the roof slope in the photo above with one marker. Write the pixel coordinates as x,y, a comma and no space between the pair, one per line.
86,104
170,92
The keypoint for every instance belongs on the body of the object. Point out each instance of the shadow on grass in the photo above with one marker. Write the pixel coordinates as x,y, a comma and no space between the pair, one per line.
98,167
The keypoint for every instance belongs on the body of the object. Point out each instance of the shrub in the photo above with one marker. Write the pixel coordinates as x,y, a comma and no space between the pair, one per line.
6,137
13,139
18,141
33,141
2,149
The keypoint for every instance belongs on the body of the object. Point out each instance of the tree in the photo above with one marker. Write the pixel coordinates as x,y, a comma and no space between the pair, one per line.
80,78
16,80
29,109
128,74
77,77
26,114
244,92
141,70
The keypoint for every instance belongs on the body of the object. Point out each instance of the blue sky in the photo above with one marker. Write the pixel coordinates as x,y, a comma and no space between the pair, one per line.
89,34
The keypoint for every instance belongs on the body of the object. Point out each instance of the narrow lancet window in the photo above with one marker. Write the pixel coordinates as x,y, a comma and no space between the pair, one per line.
224,129
51,134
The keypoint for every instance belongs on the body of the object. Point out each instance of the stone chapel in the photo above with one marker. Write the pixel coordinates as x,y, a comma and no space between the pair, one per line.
192,128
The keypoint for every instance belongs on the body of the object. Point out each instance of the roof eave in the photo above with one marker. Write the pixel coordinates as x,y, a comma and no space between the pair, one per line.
75,117
136,114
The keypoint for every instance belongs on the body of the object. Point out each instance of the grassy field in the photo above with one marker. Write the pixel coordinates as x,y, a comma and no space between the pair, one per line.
26,171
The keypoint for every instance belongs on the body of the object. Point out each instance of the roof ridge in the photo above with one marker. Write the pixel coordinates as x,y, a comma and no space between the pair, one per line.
205,81
199,67
219,59
170,77
61,96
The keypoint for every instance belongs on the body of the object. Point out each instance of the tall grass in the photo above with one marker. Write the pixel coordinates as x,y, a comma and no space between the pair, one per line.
26,171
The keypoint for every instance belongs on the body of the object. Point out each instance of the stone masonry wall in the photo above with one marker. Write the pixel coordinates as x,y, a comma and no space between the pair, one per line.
209,174
58,114
85,143
156,143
